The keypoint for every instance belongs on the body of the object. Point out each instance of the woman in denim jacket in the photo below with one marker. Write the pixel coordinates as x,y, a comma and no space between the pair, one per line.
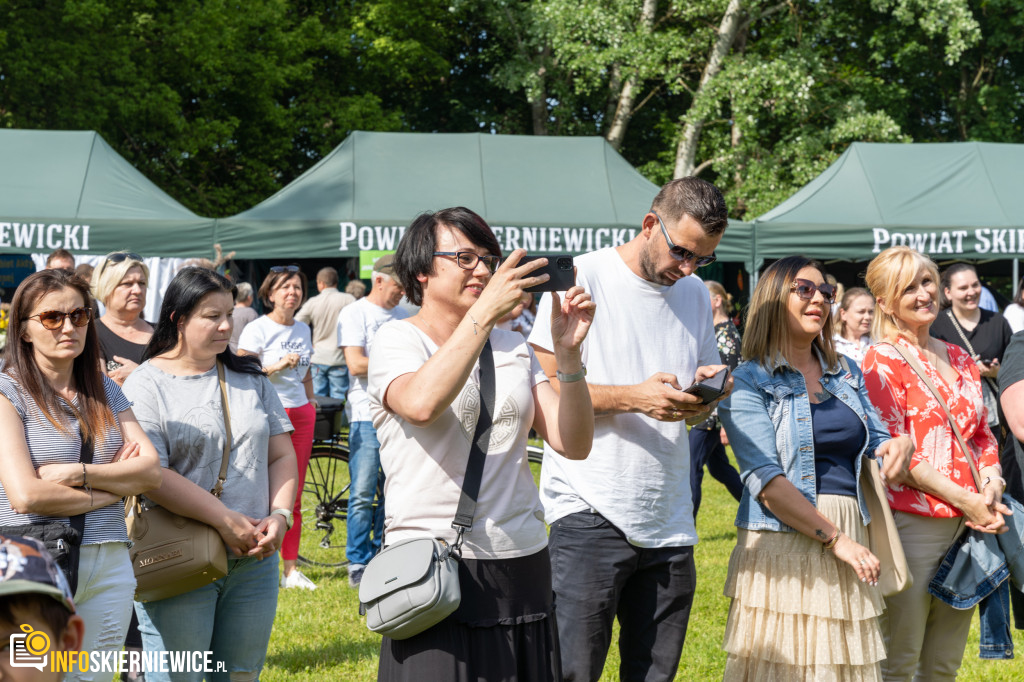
799,611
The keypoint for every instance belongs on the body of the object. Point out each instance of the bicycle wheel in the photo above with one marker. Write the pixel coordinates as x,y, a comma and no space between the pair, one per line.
325,506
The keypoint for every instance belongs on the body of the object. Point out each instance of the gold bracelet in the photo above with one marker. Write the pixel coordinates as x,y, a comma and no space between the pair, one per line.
831,542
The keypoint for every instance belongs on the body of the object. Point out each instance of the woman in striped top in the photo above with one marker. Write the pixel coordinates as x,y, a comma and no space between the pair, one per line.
52,397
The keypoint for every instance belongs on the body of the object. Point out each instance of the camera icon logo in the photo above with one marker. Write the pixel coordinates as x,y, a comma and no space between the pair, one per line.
29,648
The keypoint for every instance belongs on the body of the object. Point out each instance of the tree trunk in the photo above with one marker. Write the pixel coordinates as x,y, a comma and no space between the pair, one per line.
627,95
686,152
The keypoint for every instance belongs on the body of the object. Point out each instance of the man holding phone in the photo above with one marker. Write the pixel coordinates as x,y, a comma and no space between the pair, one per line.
622,528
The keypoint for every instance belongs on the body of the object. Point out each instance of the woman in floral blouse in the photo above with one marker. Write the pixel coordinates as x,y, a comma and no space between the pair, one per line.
925,636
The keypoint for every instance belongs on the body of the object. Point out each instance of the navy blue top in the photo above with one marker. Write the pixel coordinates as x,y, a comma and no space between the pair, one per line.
838,438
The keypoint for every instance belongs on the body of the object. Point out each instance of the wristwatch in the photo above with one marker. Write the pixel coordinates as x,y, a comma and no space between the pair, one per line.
288,518
569,378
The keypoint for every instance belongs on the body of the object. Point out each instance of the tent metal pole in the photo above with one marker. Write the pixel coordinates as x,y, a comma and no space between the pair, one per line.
1016,276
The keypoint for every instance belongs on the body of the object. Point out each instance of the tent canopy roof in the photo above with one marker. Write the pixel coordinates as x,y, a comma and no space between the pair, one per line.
389,178
879,195
74,178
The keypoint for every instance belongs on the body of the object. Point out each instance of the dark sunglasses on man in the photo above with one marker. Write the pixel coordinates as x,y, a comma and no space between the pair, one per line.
54,319
681,254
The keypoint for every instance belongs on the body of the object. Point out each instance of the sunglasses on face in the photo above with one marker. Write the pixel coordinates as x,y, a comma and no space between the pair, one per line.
805,289
54,319
467,260
681,254
285,268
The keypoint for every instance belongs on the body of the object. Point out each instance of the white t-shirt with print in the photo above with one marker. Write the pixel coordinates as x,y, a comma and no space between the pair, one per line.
425,466
272,341
638,473
357,326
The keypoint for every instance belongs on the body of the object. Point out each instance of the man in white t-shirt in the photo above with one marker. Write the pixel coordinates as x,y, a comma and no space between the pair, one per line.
357,325
622,529
330,377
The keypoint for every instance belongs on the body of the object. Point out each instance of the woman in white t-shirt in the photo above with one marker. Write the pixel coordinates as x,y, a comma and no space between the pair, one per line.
424,396
284,346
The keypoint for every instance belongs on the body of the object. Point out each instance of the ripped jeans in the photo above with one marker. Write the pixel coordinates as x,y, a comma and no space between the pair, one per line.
232,618
106,586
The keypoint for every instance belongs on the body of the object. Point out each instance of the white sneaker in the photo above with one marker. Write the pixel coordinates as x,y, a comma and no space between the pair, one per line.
296,579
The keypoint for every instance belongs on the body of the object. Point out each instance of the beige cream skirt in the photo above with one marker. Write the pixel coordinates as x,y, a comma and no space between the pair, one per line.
798,613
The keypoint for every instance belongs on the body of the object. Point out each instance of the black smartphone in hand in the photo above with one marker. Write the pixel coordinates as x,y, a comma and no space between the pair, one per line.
709,389
560,268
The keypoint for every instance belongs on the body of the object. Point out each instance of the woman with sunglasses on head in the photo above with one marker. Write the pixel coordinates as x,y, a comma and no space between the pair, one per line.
284,346
424,385
924,636
56,407
120,284
802,581
177,395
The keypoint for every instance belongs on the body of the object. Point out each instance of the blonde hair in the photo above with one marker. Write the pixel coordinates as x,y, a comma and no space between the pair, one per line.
106,276
716,289
767,332
888,275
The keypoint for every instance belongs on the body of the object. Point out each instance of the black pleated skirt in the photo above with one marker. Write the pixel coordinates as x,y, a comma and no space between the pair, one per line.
503,631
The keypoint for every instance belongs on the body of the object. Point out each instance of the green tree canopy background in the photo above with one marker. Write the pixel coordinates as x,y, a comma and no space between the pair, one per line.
223,103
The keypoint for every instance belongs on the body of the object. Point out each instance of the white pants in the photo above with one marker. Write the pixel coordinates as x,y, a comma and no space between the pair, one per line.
106,587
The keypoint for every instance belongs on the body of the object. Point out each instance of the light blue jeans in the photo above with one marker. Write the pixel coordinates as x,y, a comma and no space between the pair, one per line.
231,617
106,586
365,523
329,380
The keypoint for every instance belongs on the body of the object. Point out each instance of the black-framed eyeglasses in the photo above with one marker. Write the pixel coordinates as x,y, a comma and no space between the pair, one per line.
467,260
681,254
284,268
805,289
54,319
120,257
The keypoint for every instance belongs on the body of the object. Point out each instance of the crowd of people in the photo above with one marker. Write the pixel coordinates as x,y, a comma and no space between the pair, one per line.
98,408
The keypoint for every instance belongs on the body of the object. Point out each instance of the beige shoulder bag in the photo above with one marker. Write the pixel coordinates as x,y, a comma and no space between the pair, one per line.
174,554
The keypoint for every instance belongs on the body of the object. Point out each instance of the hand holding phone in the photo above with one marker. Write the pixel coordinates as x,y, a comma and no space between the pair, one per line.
710,389
559,268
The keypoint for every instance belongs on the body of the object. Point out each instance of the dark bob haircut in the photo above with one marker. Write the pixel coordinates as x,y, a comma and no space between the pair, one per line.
415,254
183,294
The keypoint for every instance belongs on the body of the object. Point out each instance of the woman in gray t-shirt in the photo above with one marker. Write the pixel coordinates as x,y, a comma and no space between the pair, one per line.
177,397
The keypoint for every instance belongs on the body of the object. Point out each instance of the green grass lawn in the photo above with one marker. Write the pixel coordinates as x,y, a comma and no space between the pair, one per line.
320,635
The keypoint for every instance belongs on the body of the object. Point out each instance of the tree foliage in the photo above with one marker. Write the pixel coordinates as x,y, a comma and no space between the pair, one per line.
222,103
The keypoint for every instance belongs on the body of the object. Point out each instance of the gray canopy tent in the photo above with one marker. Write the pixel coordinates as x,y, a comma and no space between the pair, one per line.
545,194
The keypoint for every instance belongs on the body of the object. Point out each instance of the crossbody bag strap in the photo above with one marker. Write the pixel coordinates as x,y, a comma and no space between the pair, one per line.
219,488
478,449
992,386
915,365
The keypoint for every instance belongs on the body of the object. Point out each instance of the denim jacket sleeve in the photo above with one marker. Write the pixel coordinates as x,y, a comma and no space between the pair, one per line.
751,431
878,433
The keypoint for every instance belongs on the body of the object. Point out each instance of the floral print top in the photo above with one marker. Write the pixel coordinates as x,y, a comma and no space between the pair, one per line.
853,350
906,406
729,342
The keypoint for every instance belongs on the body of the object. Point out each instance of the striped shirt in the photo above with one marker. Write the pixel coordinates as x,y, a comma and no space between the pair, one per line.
49,445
